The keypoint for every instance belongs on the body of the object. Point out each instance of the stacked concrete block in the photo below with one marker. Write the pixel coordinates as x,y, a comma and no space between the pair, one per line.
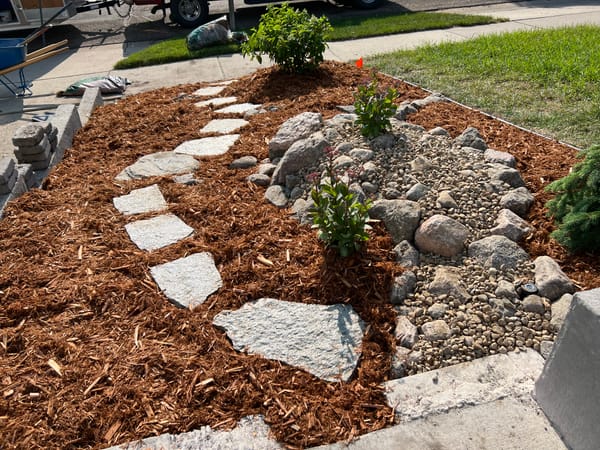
8,175
35,143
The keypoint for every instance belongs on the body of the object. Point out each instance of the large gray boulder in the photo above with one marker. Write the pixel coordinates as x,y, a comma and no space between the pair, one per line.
301,154
550,280
400,217
292,130
498,157
498,252
441,235
508,175
471,138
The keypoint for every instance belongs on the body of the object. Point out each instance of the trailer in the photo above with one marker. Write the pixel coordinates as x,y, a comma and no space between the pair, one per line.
28,14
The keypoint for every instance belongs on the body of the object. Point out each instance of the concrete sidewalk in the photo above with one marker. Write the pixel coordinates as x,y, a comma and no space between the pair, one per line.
57,73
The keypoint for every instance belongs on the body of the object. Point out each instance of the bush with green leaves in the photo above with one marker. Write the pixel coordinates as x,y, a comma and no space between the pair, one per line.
374,108
576,207
337,212
293,39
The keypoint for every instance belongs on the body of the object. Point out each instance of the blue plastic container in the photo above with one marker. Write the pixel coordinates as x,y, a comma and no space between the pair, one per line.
12,51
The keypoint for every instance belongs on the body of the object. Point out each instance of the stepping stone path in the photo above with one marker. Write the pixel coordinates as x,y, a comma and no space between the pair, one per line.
325,340
239,108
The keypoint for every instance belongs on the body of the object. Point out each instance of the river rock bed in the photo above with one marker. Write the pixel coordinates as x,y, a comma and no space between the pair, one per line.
451,308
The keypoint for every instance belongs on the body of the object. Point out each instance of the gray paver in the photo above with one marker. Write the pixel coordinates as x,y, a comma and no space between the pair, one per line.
251,433
325,340
224,126
188,281
239,108
209,90
217,101
143,200
158,232
210,146
159,164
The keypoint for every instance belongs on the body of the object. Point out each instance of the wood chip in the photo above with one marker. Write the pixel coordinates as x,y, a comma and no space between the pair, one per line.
55,366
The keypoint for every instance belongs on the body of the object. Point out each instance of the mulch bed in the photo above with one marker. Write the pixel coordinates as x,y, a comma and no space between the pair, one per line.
94,355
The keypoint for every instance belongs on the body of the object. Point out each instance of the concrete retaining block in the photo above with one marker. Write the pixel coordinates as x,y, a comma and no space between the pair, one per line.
568,389
66,119
92,98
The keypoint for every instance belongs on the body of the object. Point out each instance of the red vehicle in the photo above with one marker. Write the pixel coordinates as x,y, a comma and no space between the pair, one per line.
27,14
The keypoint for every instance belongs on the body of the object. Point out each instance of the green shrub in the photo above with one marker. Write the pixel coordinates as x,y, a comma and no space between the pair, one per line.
576,207
293,39
374,108
338,214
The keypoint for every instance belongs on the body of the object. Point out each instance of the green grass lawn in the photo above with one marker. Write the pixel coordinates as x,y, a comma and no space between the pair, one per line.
173,50
547,80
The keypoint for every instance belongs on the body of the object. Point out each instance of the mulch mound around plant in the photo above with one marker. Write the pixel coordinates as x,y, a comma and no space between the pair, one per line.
94,355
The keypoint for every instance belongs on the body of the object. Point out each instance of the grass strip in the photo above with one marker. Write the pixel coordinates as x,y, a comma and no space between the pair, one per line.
173,50
546,80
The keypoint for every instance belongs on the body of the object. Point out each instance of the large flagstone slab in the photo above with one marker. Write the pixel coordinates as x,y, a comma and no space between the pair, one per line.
324,340
224,126
159,164
188,281
139,201
209,146
158,232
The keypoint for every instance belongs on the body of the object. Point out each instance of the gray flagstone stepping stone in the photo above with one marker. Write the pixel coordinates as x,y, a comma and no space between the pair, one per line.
218,101
224,126
251,433
158,232
324,340
209,90
188,281
209,146
159,164
143,200
239,108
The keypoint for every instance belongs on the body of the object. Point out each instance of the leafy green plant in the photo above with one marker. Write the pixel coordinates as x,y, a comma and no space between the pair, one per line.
576,207
374,108
337,212
292,38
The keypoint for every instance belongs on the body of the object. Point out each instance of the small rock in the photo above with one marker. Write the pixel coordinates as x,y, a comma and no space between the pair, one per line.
362,154
436,330
438,131
546,348
276,196
550,280
402,286
494,156
399,362
244,162
416,191
266,169
437,310
518,201
259,179
505,289
448,281
446,201
406,255
533,304
421,164
406,332
471,138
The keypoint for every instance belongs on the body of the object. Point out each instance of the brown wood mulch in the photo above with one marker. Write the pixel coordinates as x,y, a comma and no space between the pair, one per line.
94,355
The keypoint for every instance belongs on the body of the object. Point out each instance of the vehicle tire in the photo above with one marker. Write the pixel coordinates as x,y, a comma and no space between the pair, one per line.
367,4
189,13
